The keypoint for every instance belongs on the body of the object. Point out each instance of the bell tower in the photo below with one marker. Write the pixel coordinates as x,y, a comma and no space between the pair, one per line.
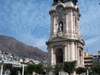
65,42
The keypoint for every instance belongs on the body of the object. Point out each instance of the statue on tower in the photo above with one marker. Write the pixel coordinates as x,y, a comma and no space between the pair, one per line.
60,27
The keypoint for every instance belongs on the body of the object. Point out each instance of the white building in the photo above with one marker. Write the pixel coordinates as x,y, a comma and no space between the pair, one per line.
65,42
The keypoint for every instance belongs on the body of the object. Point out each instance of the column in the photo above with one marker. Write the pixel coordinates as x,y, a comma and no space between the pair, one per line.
69,24
68,50
72,51
54,26
82,58
66,28
78,27
51,25
72,23
78,57
65,53
76,51
54,59
51,56
74,27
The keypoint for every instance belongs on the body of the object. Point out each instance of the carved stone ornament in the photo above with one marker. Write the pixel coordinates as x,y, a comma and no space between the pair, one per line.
59,33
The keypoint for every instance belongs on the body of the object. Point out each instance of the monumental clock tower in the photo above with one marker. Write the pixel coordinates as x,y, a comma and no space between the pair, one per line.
65,42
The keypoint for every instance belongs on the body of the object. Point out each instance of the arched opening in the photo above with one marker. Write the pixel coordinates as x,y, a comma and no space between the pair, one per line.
59,55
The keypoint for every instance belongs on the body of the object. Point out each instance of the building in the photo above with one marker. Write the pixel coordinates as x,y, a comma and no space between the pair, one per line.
65,42
88,60
96,58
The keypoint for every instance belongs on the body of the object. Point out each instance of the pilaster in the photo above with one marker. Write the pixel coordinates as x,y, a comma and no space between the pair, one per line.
52,59
69,51
72,51
65,53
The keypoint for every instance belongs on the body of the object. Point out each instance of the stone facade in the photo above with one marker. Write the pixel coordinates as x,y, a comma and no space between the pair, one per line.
65,42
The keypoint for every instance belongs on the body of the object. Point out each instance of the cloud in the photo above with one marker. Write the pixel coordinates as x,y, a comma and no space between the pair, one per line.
89,24
34,41
92,44
90,11
29,21
92,40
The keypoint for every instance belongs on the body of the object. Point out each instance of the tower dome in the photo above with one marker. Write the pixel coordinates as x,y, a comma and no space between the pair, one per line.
56,1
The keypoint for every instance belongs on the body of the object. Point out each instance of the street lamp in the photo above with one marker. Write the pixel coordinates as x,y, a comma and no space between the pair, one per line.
87,70
22,62
2,62
59,72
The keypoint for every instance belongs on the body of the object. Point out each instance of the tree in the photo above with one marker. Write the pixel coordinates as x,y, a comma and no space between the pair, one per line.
69,67
7,66
58,67
96,69
48,68
39,69
14,70
30,68
80,70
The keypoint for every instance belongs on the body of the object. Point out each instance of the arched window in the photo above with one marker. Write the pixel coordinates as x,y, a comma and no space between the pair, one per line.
59,55
60,27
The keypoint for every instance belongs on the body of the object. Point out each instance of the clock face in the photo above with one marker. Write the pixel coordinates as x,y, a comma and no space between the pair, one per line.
60,9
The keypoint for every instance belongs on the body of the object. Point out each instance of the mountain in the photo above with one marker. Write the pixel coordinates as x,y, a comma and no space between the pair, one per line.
11,45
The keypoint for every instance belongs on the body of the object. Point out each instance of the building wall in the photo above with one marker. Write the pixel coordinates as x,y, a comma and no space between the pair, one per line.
88,60
96,58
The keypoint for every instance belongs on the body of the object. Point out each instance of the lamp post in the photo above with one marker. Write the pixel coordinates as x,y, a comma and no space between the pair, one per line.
59,72
22,62
2,62
23,69
87,70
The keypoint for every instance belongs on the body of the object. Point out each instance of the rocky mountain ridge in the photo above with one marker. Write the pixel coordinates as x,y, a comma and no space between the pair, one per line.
11,45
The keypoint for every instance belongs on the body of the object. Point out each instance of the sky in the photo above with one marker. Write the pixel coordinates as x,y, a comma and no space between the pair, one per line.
29,22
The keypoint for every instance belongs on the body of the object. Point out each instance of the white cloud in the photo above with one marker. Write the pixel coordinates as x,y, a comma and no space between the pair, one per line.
93,40
90,11
92,44
31,40
29,21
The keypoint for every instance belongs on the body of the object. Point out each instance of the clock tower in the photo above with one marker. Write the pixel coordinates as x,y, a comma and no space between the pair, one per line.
65,42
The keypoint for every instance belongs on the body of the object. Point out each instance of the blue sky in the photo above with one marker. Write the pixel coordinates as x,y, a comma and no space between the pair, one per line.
29,21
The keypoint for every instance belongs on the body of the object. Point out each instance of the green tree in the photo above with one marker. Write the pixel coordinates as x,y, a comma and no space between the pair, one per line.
30,68
47,68
58,67
96,69
14,70
80,70
7,66
39,69
69,66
